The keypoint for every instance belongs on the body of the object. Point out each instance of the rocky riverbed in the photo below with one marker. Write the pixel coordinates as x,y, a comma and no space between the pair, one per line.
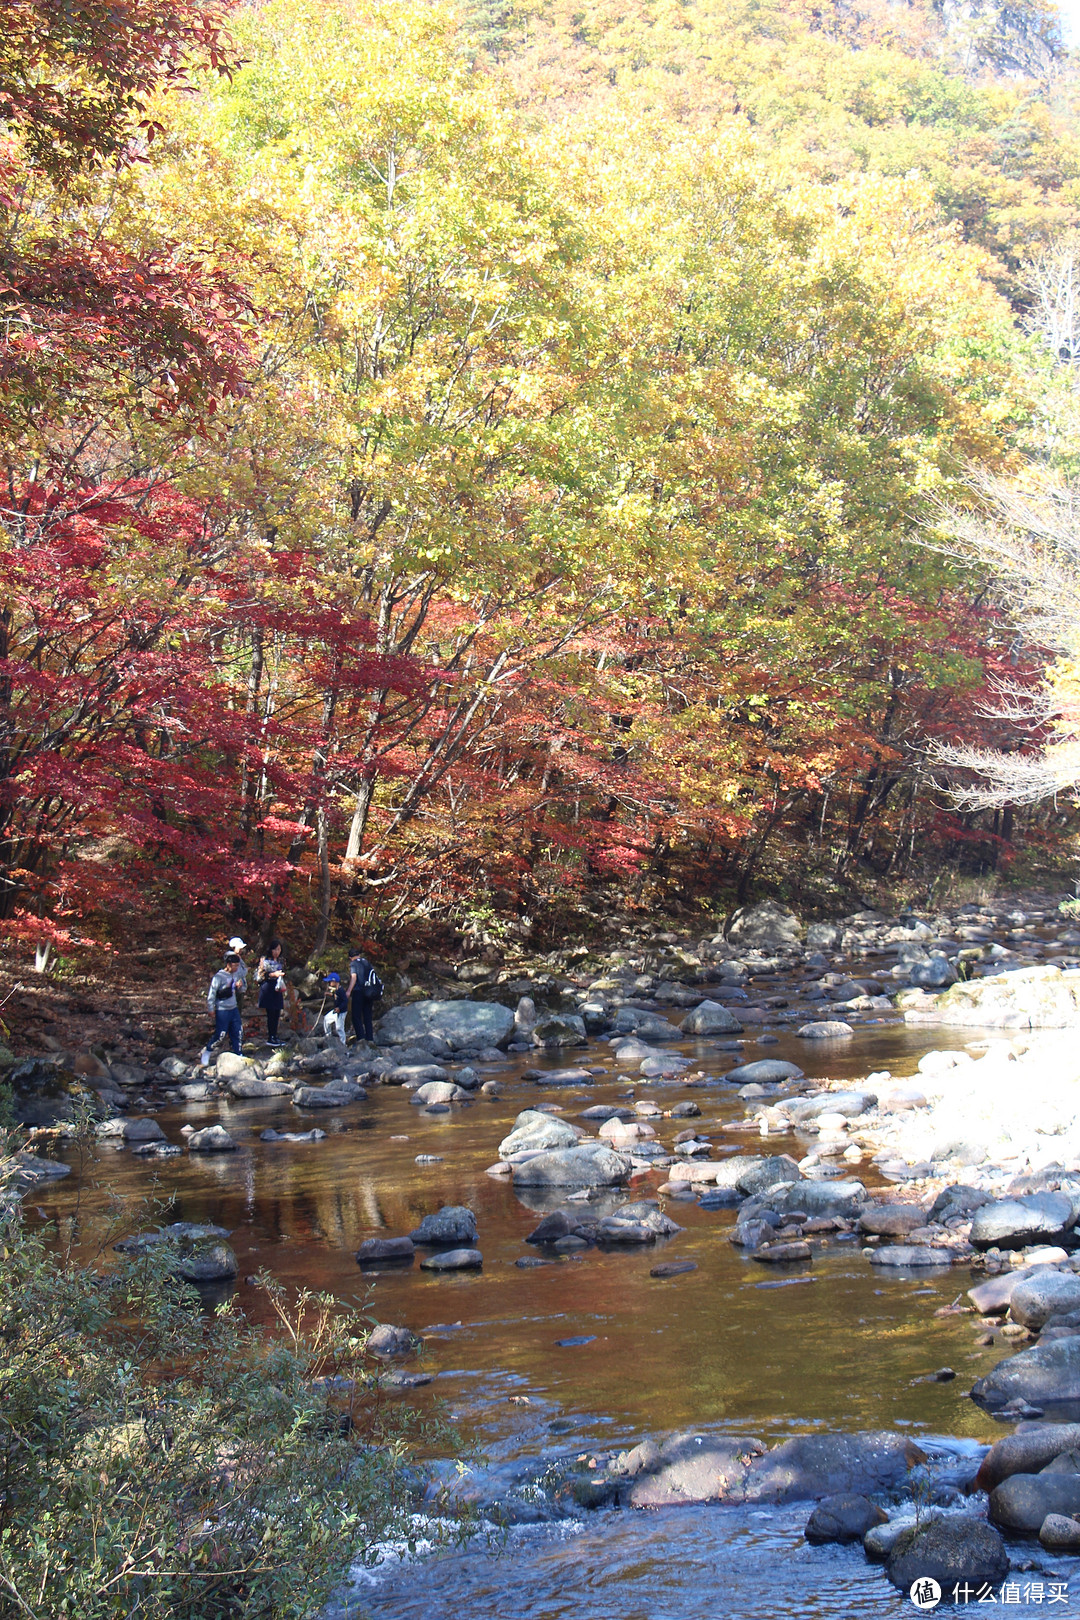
860,1133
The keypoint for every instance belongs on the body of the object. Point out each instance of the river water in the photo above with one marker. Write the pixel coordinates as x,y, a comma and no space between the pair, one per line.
714,1349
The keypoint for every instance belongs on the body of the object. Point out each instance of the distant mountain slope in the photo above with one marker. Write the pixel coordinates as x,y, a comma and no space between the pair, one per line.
978,94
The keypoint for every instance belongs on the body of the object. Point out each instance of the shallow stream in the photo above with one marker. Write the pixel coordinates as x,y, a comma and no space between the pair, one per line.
729,1346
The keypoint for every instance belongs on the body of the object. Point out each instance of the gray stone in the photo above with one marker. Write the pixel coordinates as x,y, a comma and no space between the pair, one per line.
244,1087
415,1074
232,1065
453,1260
647,1026
768,926
764,1072
761,1174
1045,1372
535,1132
375,1251
710,1018
819,1465
1026,1452
212,1139
829,1029
1015,1223
557,1030
910,1255
1021,1502
143,1130
818,1198
592,1165
463,1025
34,1171
958,1200
205,1260
996,1292
891,1220
843,1518
783,1254
953,1550
933,974
437,1091
387,1340
1047,1293
1060,1533
453,1224
335,1094
1041,997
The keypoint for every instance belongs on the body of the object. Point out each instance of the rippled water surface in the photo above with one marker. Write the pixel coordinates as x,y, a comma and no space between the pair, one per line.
710,1348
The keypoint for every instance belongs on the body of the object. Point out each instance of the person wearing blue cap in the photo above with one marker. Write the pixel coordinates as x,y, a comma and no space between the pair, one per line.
334,1020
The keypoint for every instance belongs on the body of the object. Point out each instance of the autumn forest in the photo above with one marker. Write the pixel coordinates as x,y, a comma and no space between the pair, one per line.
494,462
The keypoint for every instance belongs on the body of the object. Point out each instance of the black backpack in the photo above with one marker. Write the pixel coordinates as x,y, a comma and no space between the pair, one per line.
368,982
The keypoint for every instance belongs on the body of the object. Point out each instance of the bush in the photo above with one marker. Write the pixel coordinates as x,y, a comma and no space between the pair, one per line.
159,1462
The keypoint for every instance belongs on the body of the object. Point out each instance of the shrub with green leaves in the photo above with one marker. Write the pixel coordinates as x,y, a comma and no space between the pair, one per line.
159,1461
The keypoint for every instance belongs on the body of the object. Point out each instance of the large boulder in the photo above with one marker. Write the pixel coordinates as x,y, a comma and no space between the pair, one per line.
591,1165
453,1224
536,1132
820,1465
1026,1452
954,1551
1021,1502
1046,1372
1028,998
461,1024
1043,1295
687,1468
1016,1223
710,1018
768,926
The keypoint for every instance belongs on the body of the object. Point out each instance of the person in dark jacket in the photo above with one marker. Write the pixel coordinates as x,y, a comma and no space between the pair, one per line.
361,999
223,1003
271,976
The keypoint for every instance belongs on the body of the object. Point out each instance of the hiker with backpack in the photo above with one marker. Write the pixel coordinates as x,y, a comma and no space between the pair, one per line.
224,1005
365,989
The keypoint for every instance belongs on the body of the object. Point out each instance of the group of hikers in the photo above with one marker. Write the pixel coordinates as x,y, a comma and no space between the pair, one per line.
356,996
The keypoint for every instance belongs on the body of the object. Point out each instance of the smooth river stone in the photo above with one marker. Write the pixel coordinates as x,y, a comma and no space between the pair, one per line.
453,1260
764,1071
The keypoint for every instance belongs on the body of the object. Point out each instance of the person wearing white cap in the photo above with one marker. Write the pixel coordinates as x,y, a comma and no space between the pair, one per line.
237,944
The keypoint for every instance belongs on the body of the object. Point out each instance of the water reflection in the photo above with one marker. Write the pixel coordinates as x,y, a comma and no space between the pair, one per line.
709,1347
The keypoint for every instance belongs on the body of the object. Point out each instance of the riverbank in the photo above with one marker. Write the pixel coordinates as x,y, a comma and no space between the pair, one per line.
556,1350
